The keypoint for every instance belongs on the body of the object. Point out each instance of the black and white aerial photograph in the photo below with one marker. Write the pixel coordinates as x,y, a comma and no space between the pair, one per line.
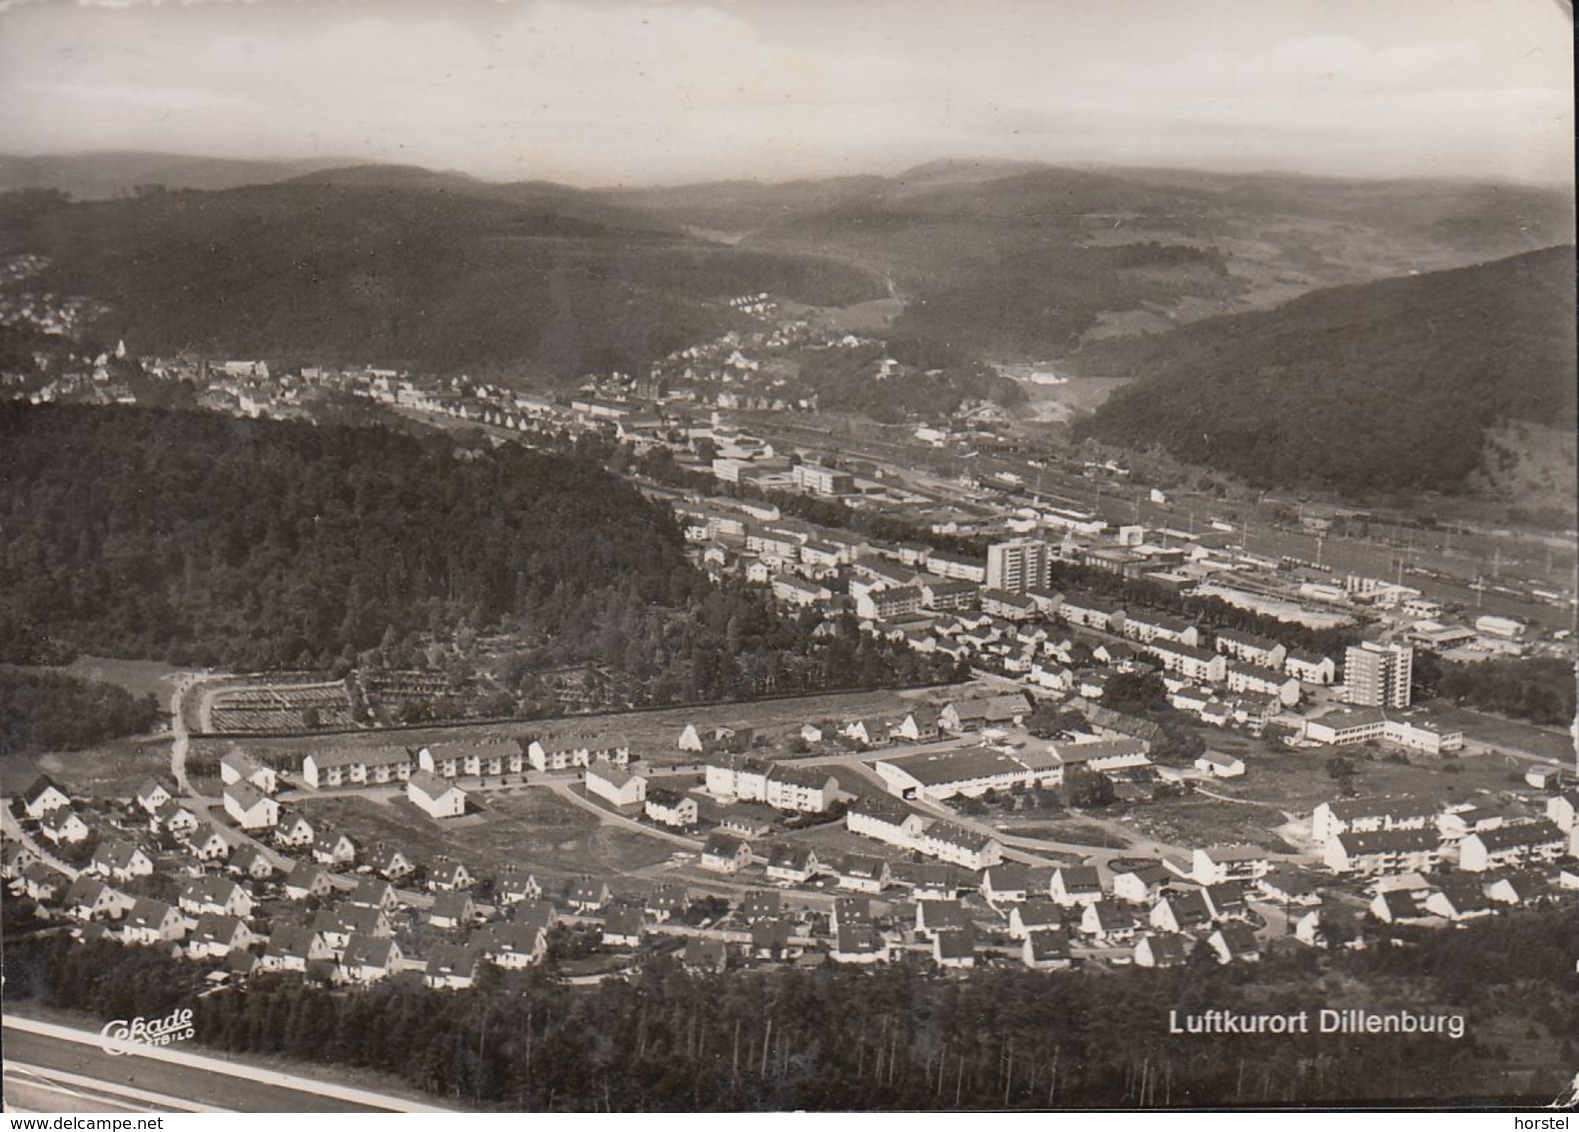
883,556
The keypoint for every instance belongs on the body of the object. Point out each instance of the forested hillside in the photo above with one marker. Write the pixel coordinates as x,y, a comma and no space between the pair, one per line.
402,268
199,539
1380,386
50,711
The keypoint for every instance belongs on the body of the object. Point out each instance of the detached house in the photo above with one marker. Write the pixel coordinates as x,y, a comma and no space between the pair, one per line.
214,894
513,946
151,795
174,817
1235,943
452,910
1219,863
62,826
43,797
618,786
1046,951
437,797
120,860
792,864
306,879
152,921
333,849
670,808
1075,884
208,844
861,873
1181,912
1162,950
250,807
296,833
292,946
367,959
623,927
725,854
251,861
859,944
390,862
216,936
588,894
447,875
451,967
239,766
89,898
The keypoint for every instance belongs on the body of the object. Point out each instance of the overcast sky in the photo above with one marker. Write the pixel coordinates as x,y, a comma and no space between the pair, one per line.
643,91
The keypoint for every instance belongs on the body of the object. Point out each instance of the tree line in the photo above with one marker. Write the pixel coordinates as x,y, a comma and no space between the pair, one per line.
895,1037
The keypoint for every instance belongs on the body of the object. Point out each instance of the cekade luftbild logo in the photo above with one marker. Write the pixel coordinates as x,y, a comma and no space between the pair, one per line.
175,1027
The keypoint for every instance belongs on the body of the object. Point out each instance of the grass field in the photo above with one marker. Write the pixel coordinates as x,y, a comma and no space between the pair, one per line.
1198,822
139,677
114,769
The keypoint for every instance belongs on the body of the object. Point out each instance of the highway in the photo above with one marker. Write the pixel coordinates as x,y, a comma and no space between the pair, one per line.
51,1068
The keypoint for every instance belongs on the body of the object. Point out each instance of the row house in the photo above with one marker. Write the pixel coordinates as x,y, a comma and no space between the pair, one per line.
801,789
1384,852
1190,663
565,752
1009,606
472,760
1251,649
1310,668
1512,846
946,593
375,766
960,846
1366,815
888,602
1220,864
1089,613
737,777
791,590
1253,679
1148,627
957,567
886,820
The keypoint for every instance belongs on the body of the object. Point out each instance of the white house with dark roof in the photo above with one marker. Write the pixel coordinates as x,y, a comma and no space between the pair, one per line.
296,832
960,846
62,826
1310,668
207,843
368,959
152,921
174,817
333,849
1367,815
801,789
437,797
1220,765
861,873
1075,884
250,807
370,766
1218,864
617,785
152,794
885,820
306,879
242,766
120,860
216,936
792,864
89,898
446,875
1384,851
1512,846
212,893
723,853
671,808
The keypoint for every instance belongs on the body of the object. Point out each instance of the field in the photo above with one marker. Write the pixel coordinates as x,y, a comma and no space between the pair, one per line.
114,769
139,677
1199,821
530,828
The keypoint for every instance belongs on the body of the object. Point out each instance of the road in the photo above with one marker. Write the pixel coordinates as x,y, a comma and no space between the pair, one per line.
48,1064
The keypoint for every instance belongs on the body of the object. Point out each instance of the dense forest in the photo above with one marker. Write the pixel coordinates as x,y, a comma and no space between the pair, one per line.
1539,689
403,268
896,1038
50,711
1375,387
199,539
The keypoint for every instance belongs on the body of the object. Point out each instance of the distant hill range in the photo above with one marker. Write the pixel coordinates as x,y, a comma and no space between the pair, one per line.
1009,261
405,267
1442,381
107,175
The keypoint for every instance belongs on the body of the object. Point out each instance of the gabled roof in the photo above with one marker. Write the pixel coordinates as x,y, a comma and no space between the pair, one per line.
244,794
758,902
623,920
1167,948
148,913
454,905
510,939
1039,911
1080,878
857,938
1049,946
304,874
1239,939
368,951
452,960
796,857
430,785
861,866
1517,836
216,927
955,943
